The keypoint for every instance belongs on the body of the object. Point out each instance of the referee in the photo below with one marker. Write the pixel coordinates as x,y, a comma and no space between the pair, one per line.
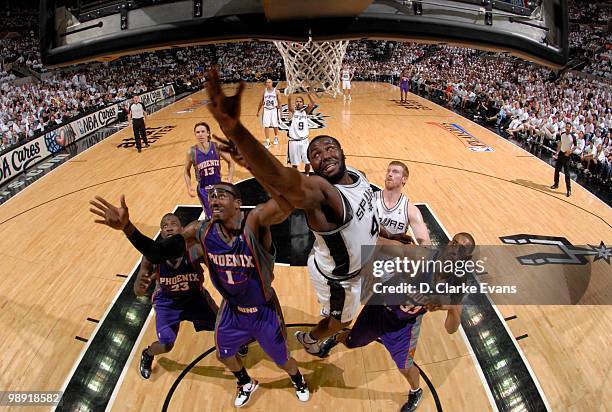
564,151
136,116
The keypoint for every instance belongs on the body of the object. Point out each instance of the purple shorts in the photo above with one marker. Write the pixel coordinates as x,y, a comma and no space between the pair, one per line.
398,336
237,326
203,195
201,310
404,87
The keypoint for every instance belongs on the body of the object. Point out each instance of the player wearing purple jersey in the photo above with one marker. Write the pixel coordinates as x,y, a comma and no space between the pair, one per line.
179,296
398,326
403,85
206,161
239,252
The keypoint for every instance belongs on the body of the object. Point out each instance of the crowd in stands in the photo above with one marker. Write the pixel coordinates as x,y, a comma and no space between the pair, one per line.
381,60
522,101
520,98
589,11
35,107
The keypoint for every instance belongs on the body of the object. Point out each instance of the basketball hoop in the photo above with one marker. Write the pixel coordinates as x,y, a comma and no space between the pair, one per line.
313,66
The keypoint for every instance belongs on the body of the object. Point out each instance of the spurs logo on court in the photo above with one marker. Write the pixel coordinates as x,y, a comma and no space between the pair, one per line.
570,254
153,135
315,120
412,105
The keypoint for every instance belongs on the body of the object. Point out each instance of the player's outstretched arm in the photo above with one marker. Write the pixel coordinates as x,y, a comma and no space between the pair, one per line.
187,174
311,103
230,166
453,316
143,278
269,213
290,107
118,218
403,238
300,191
261,101
278,99
419,228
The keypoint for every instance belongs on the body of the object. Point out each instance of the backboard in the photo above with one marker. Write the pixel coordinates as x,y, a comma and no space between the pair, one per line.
84,30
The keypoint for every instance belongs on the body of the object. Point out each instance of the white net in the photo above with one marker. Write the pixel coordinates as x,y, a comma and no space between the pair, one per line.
313,66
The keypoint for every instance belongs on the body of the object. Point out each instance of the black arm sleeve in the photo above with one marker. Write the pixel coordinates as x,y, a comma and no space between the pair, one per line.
157,252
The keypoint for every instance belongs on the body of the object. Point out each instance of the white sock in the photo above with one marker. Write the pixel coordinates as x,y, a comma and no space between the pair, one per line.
415,390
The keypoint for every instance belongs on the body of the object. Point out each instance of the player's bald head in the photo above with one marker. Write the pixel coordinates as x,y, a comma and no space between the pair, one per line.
466,240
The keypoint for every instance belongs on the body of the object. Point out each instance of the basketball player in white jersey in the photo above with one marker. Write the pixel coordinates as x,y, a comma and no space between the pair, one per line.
298,132
338,203
395,212
270,101
347,76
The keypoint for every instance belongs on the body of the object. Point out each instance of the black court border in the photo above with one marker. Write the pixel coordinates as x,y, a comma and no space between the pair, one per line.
516,371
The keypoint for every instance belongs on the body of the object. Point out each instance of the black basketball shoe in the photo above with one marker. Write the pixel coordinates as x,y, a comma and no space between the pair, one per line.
146,362
414,399
327,345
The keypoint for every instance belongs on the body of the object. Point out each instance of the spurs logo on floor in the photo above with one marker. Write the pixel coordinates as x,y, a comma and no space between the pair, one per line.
315,120
570,254
153,135
412,104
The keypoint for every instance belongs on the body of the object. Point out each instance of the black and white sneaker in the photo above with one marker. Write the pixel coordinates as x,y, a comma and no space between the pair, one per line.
146,362
327,345
301,391
245,392
312,348
244,350
414,399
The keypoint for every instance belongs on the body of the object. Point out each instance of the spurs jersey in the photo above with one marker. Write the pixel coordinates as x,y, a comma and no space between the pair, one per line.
346,75
270,100
298,130
337,253
395,220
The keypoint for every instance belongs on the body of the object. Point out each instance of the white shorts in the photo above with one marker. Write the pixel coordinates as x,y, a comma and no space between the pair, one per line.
270,118
346,85
297,152
341,299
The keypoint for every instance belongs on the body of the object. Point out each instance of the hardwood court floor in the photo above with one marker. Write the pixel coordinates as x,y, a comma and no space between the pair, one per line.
59,268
